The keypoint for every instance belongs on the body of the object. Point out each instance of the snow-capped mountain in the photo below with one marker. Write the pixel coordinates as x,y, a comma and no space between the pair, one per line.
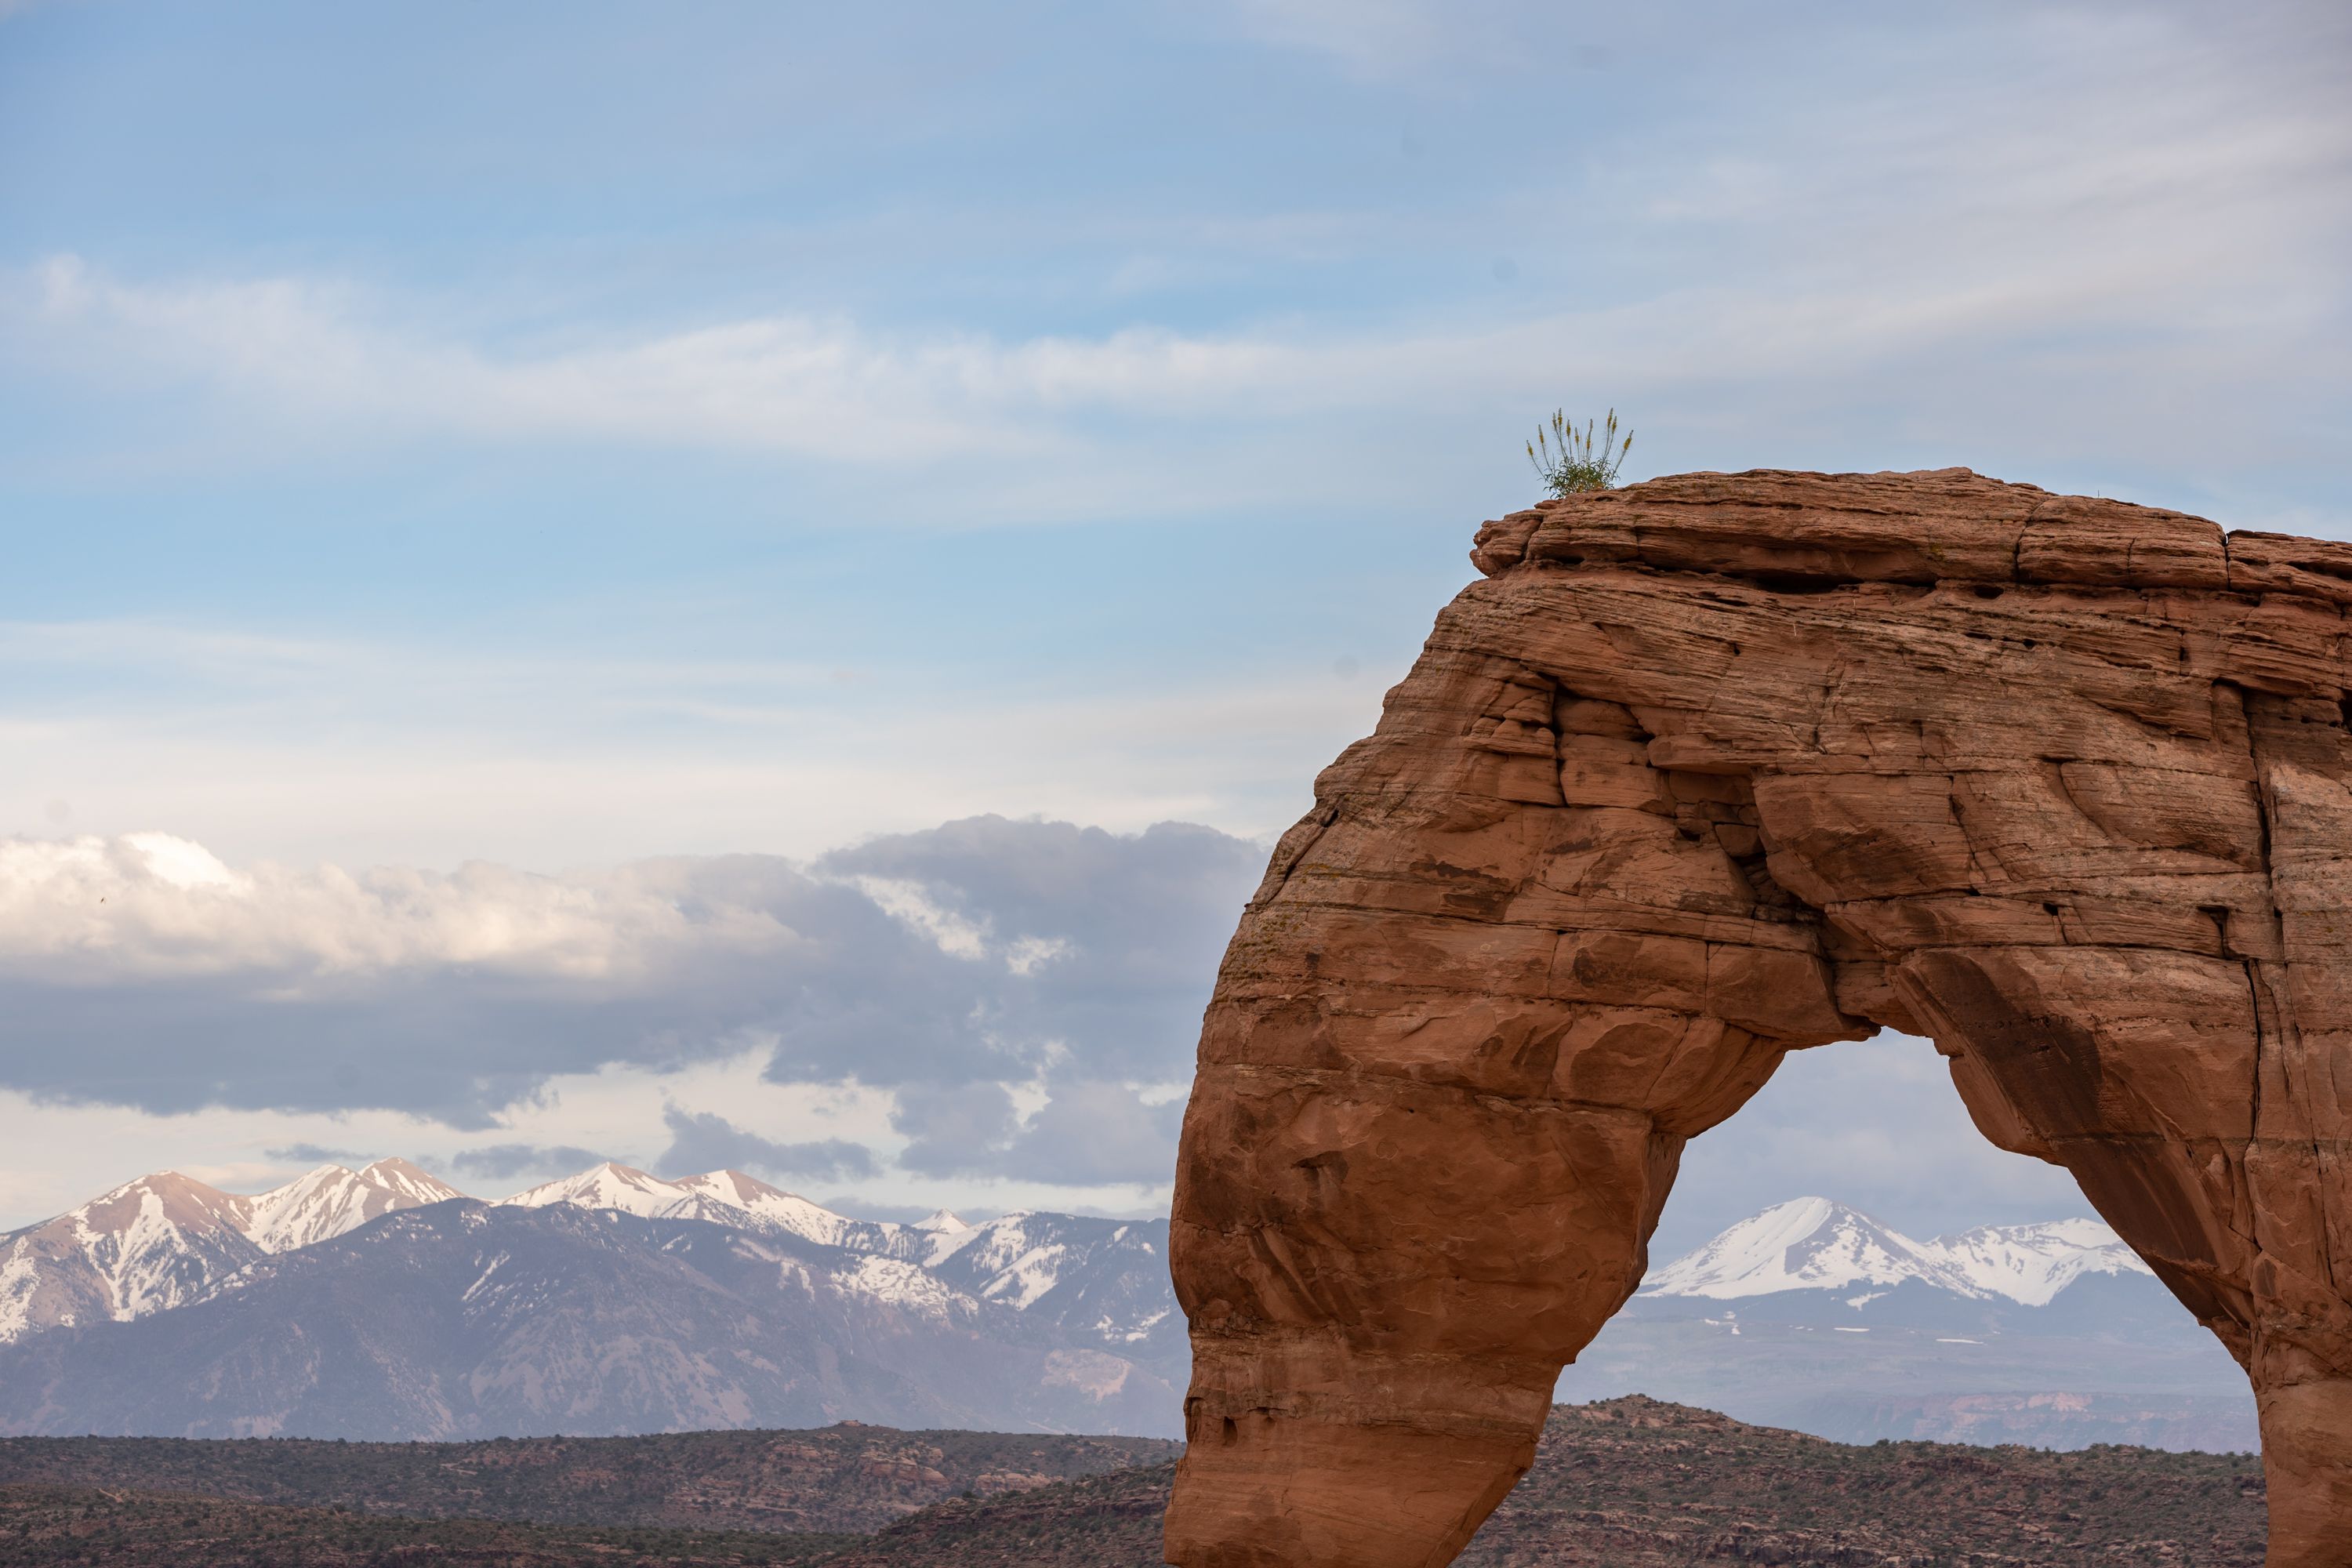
1809,1244
148,1245
332,1200
1090,1296
792,1212
1104,1282
606,1186
1105,1279
2033,1263
166,1240
1813,1316
464,1319
1814,1244
942,1222
725,1197
381,1302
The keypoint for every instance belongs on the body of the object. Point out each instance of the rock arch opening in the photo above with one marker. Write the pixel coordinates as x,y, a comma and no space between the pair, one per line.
1847,1256
1720,767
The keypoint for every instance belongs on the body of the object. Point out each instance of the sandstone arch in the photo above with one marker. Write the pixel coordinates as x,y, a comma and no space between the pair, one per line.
1713,768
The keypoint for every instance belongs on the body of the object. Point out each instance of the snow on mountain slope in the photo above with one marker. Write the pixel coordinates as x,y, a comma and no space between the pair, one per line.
1814,1244
1806,1243
942,1222
158,1242
723,1197
795,1214
1015,1258
465,1319
1104,1278
2032,1263
610,1186
166,1240
332,1200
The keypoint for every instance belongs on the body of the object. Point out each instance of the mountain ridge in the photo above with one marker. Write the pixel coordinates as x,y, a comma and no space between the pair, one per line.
466,1320
1809,1314
1819,1244
166,1240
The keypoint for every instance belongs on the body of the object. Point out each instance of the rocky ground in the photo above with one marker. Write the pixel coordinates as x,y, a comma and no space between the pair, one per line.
1634,1483
850,1477
1629,1483
45,1526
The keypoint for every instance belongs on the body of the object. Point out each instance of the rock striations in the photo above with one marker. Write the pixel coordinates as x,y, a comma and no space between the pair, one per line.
1713,768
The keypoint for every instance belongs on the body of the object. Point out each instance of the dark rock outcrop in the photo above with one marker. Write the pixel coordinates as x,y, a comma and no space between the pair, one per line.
1717,767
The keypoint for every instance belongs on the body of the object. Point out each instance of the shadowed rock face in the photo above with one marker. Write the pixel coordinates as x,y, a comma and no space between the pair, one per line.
1714,768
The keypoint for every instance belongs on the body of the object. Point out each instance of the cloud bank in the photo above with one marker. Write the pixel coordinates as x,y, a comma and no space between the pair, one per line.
705,1140
1028,993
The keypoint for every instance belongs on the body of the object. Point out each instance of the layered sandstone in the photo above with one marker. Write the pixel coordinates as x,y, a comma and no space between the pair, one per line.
1718,767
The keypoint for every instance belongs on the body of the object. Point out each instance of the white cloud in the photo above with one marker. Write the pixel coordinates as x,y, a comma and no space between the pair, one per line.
150,905
955,965
321,354
147,905
1026,955
54,1157
908,902
955,935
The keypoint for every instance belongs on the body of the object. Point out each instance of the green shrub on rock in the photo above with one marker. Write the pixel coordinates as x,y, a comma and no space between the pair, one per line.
1570,461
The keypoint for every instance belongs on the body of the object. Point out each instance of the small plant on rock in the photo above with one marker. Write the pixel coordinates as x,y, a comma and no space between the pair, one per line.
1571,461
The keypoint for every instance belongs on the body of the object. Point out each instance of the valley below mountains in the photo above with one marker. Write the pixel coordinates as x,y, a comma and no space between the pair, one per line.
382,1304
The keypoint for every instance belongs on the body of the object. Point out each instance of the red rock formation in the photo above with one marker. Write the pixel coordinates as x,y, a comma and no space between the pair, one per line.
1717,767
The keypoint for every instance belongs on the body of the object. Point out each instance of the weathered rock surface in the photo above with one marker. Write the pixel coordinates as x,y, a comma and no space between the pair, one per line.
1721,767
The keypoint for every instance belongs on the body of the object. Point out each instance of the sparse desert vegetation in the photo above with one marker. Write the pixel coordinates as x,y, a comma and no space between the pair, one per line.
1626,1483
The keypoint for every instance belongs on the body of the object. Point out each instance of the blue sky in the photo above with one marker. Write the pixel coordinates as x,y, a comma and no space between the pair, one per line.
546,439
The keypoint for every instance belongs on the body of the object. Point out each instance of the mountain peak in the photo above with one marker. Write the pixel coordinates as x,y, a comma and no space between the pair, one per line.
333,1199
943,1221
2032,1263
160,1197
1805,1243
1818,1244
733,1188
393,1169
151,1243
752,1199
609,1186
